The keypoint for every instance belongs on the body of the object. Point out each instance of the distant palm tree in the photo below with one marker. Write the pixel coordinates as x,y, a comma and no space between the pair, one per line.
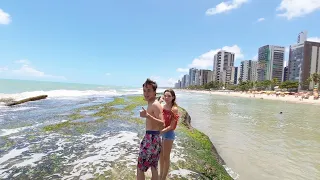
315,78
274,82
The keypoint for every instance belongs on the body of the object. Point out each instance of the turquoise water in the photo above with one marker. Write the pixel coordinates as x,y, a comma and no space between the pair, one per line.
9,86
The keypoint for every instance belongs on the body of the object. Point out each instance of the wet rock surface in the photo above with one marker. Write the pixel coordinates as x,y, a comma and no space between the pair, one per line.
102,142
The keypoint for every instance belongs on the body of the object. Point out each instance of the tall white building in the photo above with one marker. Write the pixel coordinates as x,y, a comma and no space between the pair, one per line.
302,37
249,70
254,71
244,73
192,76
197,78
210,76
204,76
223,61
187,80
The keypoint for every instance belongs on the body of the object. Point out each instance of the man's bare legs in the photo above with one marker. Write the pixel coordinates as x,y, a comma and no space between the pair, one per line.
161,160
155,175
140,175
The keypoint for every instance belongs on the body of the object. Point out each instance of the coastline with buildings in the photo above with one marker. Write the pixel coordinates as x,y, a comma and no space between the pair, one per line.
269,74
265,95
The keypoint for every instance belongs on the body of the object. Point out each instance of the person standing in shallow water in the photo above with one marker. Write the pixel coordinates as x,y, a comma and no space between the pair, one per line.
150,145
170,115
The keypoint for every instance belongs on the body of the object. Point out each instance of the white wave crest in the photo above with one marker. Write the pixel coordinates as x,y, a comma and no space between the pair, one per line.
68,94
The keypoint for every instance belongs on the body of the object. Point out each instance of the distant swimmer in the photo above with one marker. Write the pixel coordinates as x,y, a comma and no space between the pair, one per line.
281,112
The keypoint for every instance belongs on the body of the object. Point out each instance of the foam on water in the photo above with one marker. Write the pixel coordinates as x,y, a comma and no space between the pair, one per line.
176,154
5,132
233,174
10,155
104,153
60,94
31,160
182,173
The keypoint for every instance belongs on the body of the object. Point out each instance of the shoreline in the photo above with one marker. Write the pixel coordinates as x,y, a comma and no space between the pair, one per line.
186,122
286,98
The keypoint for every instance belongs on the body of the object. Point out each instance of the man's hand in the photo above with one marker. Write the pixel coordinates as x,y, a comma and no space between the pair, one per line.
143,113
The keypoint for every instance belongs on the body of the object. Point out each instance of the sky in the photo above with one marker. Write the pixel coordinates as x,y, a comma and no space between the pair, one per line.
119,42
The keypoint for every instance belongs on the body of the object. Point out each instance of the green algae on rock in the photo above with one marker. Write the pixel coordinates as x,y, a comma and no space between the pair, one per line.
201,154
194,156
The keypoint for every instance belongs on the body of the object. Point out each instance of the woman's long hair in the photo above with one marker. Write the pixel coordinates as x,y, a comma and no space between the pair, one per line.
173,94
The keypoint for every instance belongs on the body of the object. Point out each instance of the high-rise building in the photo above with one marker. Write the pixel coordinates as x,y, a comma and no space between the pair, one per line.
304,60
270,59
253,71
192,76
204,76
285,74
249,70
187,80
236,75
302,37
223,61
210,76
229,75
233,75
244,74
183,82
197,77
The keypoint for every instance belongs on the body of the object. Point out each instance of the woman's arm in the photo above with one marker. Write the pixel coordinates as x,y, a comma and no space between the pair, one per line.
174,119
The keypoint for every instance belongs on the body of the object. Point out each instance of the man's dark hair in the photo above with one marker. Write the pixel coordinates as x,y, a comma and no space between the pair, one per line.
152,83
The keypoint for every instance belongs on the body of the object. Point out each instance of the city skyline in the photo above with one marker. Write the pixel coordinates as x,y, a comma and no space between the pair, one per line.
304,60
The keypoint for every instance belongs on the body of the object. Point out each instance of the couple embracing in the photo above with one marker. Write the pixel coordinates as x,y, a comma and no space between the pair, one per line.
161,121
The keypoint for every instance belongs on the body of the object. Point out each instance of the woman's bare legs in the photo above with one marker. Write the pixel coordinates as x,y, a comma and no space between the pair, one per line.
165,156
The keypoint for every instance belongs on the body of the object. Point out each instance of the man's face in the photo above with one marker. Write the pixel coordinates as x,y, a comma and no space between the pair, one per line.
148,92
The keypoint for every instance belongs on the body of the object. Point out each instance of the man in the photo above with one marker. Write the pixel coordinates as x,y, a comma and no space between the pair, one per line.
150,146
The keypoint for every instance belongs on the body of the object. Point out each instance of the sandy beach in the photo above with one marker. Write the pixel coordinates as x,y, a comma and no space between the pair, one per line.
286,98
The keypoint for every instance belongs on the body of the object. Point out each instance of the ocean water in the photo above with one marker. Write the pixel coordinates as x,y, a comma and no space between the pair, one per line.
25,148
255,141
23,88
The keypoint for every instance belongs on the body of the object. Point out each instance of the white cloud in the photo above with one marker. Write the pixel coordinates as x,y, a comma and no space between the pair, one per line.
255,58
225,7
107,74
205,61
2,69
22,61
182,70
26,70
4,17
261,19
297,8
163,82
314,39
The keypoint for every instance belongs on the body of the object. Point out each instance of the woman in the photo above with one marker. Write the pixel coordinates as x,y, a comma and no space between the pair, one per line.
170,115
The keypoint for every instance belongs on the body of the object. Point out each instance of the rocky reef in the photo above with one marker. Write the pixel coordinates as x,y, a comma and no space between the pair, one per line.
102,142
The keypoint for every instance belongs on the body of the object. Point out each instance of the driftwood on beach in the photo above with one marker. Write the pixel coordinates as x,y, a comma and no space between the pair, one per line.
35,98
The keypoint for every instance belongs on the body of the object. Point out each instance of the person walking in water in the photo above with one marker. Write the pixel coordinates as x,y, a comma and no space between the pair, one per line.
170,115
150,146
